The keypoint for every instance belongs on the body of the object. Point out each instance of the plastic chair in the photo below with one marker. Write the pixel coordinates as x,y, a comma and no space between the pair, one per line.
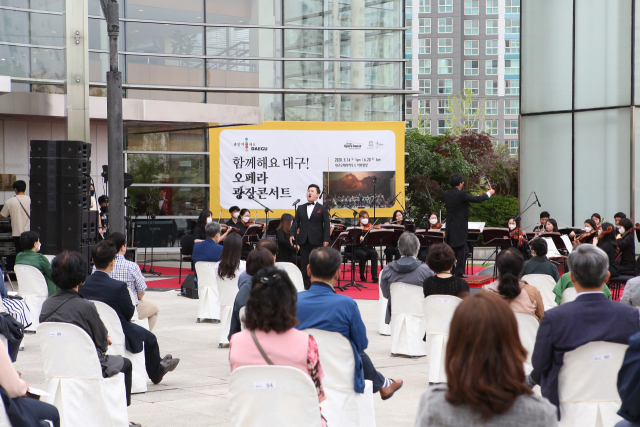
587,385
272,396
343,406
294,274
545,284
407,320
568,295
50,258
208,291
228,290
33,288
186,250
438,311
383,328
114,327
528,330
241,315
83,397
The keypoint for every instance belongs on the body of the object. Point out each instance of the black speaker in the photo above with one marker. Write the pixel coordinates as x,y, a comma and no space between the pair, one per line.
64,149
59,184
74,229
188,287
54,167
91,218
44,204
59,202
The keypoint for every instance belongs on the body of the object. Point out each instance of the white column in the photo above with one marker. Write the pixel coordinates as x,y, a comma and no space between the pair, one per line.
77,69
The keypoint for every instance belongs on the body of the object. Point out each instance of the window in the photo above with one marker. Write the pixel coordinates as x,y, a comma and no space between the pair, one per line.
492,26
513,146
445,45
425,125
424,86
424,46
424,66
511,26
425,6
445,66
491,127
491,107
511,66
473,125
408,84
510,127
491,87
471,47
408,10
511,106
407,124
408,109
512,87
492,7
473,86
443,126
471,27
512,6
425,107
408,68
472,108
512,47
492,47
443,106
424,25
445,25
445,6
407,46
491,67
471,68
471,7
445,86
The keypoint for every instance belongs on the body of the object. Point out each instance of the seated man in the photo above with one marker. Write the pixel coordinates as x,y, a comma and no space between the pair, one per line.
629,385
100,287
321,308
208,249
129,272
539,264
591,317
408,269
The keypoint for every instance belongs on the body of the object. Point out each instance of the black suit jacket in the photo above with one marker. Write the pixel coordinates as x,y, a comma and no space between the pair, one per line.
316,229
100,287
589,318
457,204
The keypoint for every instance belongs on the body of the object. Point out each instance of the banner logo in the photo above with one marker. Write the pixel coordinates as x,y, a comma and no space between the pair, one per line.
352,145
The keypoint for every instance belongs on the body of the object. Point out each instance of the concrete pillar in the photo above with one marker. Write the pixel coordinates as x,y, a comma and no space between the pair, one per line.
77,70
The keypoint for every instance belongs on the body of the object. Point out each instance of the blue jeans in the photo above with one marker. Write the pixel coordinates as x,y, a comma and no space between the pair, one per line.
3,286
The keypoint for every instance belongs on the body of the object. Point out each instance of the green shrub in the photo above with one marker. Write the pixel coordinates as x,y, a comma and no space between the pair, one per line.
494,212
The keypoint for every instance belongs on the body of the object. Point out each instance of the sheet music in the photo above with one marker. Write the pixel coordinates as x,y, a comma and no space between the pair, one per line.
470,226
552,250
567,242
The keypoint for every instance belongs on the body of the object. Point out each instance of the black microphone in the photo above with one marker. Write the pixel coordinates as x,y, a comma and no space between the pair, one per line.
239,196
539,205
296,202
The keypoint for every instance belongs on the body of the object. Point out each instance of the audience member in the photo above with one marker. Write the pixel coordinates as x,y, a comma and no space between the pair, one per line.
30,242
68,272
257,259
209,249
485,373
271,337
408,269
565,282
129,272
267,244
629,385
539,264
100,287
522,297
440,258
230,264
286,251
591,317
631,293
321,308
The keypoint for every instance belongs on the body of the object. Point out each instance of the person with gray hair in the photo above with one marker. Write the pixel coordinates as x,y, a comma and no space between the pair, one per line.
408,269
209,249
591,317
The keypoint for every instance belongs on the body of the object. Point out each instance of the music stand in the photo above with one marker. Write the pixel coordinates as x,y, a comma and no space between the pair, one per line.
253,234
349,238
382,238
434,237
496,238
272,227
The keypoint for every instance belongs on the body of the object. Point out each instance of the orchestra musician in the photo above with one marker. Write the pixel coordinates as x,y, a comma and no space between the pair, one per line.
364,252
617,217
518,237
544,217
551,226
434,224
234,211
286,251
590,230
597,219
391,252
241,227
606,241
626,261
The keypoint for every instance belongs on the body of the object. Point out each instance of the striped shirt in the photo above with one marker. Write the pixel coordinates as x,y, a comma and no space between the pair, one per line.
128,272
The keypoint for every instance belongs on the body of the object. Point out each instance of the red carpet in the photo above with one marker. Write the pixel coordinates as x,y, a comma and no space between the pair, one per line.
169,271
171,283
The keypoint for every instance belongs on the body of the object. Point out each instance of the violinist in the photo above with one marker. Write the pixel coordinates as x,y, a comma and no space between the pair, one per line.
626,261
590,230
234,211
391,252
597,219
434,224
243,224
518,237
606,241
286,251
203,219
364,252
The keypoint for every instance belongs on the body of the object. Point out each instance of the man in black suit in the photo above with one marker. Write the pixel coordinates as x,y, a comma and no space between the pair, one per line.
457,228
591,317
313,225
100,287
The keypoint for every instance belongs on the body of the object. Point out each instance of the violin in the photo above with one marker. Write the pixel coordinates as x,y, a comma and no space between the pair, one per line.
436,226
254,222
519,235
584,236
603,232
226,227
370,227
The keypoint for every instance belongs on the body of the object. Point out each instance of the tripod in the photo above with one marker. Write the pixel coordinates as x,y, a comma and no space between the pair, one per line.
151,221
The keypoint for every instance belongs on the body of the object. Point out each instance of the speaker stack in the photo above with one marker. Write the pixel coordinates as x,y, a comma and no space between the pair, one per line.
60,201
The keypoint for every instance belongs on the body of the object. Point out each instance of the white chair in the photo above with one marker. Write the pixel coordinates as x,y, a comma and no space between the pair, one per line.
343,406
208,291
114,327
241,315
587,385
228,289
383,328
294,274
528,330
545,284
83,397
568,295
272,396
135,319
438,311
50,258
407,320
33,288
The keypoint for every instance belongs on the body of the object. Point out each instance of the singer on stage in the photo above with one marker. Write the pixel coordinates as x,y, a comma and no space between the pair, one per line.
313,224
457,204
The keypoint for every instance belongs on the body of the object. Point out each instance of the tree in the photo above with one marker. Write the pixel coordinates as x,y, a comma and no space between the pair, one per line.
466,113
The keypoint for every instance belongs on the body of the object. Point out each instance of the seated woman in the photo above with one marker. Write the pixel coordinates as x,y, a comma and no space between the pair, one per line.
432,225
590,230
565,282
440,259
203,219
518,237
606,240
597,219
551,226
489,388
391,252
30,242
363,252
626,261
230,264
522,297
286,251
270,318
244,223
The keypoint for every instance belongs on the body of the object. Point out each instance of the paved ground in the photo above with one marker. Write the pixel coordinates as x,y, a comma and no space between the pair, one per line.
196,393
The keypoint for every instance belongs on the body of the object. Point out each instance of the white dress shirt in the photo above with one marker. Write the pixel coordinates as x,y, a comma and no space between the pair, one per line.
310,209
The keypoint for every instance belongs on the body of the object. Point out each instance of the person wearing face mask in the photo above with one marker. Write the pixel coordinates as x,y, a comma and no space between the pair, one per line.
626,261
363,252
432,225
30,242
518,237
391,252
590,231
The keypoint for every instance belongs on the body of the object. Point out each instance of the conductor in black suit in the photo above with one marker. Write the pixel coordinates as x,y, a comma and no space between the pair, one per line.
314,225
457,204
